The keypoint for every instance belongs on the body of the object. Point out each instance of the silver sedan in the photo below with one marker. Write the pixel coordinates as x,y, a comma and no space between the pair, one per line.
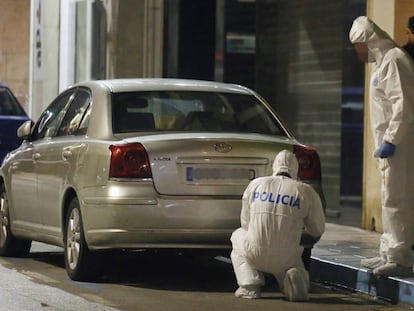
139,163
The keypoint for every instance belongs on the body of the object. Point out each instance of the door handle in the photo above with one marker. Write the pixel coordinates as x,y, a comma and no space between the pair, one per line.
35,156
66,154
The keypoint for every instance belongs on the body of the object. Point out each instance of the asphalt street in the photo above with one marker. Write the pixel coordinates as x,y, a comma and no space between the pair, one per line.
151,280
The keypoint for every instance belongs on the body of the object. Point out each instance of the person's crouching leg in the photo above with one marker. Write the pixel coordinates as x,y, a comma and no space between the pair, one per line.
296,285
249,279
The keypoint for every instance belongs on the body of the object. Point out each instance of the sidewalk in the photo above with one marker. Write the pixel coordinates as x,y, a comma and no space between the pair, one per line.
336,260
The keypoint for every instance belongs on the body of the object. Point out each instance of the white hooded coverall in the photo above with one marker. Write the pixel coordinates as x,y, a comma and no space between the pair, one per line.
392,120
276,210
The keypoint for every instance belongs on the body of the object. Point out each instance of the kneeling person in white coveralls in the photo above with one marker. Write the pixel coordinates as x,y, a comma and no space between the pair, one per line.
276,211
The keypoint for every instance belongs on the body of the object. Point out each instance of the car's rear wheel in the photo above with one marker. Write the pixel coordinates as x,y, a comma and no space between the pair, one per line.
78,258
10,246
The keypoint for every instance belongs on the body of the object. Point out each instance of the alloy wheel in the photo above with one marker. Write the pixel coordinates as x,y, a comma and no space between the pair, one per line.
73,235
4,219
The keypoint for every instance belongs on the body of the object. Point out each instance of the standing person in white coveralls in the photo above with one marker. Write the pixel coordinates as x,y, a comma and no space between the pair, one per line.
391,108
276,211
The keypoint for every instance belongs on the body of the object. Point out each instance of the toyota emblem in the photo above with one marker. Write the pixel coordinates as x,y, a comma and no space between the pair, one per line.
222,147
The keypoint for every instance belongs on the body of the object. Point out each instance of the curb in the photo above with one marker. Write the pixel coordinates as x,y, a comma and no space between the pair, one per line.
392,289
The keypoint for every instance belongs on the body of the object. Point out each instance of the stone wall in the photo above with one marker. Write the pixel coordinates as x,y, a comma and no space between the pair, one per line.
14,46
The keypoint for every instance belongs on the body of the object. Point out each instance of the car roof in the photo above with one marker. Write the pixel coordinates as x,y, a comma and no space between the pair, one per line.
149,84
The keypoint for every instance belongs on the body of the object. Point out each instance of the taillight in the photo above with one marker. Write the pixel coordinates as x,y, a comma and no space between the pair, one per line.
309,163
129,161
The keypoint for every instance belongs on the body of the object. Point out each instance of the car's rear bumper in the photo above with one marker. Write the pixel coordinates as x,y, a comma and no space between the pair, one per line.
158,238
127,215
138,217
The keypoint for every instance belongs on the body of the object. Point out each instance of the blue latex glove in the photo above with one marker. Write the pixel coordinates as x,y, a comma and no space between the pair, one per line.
385,150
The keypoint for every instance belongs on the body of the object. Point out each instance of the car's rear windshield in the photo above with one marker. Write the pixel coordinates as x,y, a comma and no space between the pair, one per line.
9,106
191,111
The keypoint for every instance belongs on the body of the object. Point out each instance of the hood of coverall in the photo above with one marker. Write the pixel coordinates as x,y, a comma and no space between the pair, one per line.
286,162
378,41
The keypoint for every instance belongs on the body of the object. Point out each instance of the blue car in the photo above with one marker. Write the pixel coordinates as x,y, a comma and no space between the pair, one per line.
12,115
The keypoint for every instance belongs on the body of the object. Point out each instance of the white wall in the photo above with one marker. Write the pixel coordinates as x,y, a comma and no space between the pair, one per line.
44,79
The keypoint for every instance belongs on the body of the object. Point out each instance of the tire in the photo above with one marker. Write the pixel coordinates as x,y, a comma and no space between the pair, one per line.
78,258
10,246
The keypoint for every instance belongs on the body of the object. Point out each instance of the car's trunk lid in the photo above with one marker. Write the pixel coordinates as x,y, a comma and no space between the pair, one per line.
210,164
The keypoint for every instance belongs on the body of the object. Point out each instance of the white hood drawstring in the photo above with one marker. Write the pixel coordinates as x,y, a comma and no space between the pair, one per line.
378,41
286,162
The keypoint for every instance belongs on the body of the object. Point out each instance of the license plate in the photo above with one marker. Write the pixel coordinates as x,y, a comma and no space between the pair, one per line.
218,173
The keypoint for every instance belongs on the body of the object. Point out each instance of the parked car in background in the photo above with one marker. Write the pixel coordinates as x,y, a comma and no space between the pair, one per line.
12,115
140,163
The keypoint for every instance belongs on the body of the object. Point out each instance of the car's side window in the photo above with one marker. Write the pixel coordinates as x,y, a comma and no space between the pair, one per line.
83,127
75,115
8,103
50,119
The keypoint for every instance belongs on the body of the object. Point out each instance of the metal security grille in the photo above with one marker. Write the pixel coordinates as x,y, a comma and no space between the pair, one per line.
299,70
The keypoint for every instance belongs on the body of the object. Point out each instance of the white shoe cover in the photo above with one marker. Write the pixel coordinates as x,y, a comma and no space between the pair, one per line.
296,285
392,269
248,291
372,263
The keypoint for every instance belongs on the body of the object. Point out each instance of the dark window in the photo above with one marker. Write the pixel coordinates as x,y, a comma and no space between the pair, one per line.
8,104
75,114
50,119
192,111
85,122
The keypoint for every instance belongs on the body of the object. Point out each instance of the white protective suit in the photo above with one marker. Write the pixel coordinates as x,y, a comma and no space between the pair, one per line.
276,210
392,120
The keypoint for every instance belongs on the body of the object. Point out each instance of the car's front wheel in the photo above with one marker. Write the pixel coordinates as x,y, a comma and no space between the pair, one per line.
10,246
78,258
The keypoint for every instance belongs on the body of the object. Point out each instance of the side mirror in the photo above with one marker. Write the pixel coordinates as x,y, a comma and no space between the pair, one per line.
24,131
